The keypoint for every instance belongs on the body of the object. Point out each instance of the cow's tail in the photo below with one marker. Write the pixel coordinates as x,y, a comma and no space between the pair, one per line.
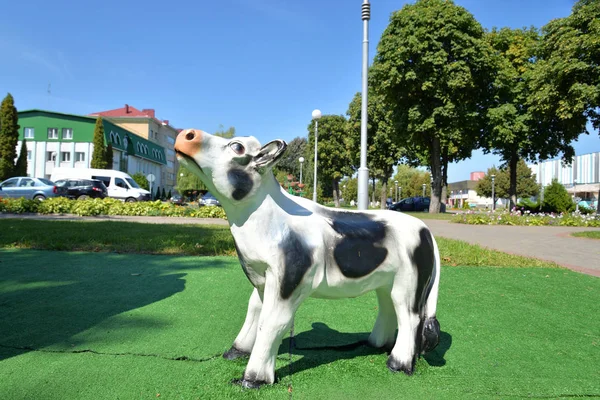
431,326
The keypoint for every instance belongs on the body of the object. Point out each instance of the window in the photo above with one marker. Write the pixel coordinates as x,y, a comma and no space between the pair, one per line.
10,183
121,183
170,164
52,133
104,179
65,156
28,133
26,182
29,155
79,156
50,156
67,133
170,140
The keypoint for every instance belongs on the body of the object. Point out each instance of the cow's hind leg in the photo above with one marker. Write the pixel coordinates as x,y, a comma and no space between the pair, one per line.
243,343
384,331
408,342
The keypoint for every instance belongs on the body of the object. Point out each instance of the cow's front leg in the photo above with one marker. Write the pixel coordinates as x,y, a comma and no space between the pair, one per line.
243,343
275,319
384,331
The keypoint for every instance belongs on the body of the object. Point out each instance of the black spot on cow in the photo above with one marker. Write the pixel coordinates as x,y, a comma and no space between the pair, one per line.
360,250
298,260
241,181
424,260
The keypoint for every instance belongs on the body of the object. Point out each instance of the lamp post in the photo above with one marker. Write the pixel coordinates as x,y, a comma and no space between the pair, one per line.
460,198
400,192
396,183
363,171
493,193
575,195
452,198
301,159
316,114
424,186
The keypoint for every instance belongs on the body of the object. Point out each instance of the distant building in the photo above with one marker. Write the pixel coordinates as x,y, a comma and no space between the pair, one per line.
66,140
475,176
145,124
464,192
581,178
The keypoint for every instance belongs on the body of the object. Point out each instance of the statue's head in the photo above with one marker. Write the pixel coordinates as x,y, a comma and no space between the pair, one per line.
233,169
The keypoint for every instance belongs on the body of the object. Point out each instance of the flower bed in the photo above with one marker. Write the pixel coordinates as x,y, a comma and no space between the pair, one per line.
526,218
107,206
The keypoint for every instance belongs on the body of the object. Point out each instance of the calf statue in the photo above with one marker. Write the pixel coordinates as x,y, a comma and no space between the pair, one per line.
291,248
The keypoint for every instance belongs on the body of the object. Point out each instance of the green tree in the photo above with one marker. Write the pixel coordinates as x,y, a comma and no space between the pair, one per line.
333,156
225,133
526,184
188,182
289,161
410,182
512,128
436,72
99,153
349,189
141,180
156,195
383,149
565,84
9,136
557,199
109,156
21,166
163,194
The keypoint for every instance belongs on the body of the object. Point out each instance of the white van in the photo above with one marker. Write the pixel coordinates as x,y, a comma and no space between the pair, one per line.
120,185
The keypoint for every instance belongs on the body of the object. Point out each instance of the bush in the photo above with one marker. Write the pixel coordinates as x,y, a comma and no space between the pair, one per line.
529,205
107,206
527,219
141,180
557,199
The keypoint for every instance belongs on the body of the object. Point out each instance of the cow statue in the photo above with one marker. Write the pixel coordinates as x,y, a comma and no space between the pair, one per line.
291,248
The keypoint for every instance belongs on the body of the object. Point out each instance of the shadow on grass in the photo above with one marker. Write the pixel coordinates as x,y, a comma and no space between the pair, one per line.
48,297
342,346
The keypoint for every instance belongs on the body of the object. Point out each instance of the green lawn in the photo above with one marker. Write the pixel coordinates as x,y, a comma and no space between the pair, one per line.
589,234
82,325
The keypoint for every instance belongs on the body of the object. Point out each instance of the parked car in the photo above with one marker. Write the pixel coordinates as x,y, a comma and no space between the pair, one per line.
82,189
177,199
414,204
208,200
30,188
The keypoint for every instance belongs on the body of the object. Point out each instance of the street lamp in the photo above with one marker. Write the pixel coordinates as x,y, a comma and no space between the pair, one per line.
396,183
493,193
575,194
460,198
400,193
424,186
316,114
363,171
301,159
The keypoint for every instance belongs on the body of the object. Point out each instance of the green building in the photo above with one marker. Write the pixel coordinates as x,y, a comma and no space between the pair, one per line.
66,140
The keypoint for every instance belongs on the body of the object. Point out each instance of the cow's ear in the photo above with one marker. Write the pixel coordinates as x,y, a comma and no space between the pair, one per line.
269,154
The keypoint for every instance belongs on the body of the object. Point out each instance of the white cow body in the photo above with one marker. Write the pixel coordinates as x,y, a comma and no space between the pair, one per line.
292,248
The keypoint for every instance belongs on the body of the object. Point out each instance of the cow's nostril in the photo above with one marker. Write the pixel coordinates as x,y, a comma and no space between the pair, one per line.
190,136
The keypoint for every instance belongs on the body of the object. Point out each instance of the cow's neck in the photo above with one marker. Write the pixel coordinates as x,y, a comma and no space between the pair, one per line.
269,205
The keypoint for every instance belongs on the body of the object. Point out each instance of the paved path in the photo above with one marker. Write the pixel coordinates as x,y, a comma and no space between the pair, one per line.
546,243
552,243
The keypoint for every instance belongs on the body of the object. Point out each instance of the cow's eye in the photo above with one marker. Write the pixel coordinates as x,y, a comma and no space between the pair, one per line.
238,148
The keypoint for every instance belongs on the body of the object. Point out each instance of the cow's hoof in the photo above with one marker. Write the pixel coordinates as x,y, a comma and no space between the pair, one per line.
431,335
396,366
247,384
234,353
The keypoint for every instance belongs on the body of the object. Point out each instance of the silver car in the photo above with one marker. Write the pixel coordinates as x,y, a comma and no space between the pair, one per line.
30,188
208,200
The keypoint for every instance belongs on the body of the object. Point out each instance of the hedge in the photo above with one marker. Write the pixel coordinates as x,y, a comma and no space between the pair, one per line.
107,206
526,218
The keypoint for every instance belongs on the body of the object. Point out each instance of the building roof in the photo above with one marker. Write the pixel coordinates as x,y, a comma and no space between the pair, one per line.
131,112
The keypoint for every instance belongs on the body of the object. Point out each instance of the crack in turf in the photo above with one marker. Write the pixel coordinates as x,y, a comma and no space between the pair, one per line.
181,358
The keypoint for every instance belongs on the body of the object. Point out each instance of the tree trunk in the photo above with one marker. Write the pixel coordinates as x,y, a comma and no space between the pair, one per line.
444,177
512,190
336,192
383,195
436,173
598,204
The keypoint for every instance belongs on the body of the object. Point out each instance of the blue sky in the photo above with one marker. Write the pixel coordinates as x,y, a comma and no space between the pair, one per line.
261,66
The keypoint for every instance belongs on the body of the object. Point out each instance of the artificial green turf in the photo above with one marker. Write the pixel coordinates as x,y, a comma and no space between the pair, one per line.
109,326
